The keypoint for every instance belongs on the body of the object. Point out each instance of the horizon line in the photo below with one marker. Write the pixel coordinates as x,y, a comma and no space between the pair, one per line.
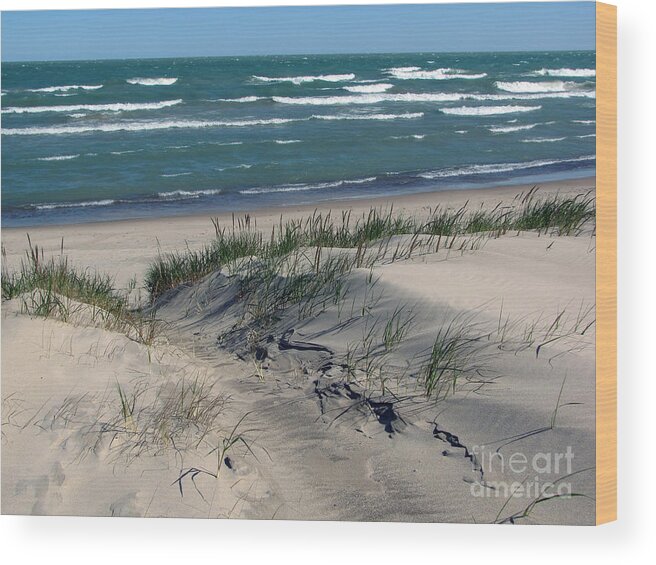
2,61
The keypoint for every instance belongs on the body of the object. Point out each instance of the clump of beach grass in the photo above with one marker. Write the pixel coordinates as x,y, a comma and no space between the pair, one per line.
458,352
234,247
52,288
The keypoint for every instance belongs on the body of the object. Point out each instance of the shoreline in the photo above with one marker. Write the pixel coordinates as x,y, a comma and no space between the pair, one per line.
408,200
124,249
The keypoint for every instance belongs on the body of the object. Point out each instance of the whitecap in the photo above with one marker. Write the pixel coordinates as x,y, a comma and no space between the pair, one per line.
188,193
241,100
126,151
369,88
117,107
304,187
133,126
529,87
242,166
509,129
406,116
543,140
415,73
566,72
500,167
301,79
409,97
59,157
487,110
75,204
67,88
163,81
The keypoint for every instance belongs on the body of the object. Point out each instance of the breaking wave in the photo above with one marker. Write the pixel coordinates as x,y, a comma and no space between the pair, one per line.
117,107
59,157
543,140
565,72
422,97
523,86
509,129
163,81
487,110
86,204
369,88
177,194
416,73
304,187
195,124
66,88
302,79
500,167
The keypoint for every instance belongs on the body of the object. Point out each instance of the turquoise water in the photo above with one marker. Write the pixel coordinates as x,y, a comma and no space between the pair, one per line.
99,140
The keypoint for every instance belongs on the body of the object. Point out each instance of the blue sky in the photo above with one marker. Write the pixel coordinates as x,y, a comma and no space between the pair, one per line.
119,34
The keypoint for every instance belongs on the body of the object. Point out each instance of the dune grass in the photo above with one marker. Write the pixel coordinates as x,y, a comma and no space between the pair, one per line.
52,288
307,263
235,246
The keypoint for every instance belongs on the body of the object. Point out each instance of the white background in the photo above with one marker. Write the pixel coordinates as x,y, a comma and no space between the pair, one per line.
105,540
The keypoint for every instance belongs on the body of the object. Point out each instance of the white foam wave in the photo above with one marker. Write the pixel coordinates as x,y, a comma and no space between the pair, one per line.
402,69
364,99
543,140
304,187
66,88
589,135
171,175
59,157
75,204
584,121
500,167
163,81
118,107
523,86
241,100
415,73
133,126
487,110
126,151
422,97
406,116
566,72
509,129
286,141
302,79
242,166
412,136
369,88
188,193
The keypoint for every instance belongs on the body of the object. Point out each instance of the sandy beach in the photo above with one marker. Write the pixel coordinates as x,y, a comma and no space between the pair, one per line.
318,416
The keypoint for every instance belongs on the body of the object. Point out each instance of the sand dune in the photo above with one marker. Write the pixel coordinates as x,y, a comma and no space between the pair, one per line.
333,421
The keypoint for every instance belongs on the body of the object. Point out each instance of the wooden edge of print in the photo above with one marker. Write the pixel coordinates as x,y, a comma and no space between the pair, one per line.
606,265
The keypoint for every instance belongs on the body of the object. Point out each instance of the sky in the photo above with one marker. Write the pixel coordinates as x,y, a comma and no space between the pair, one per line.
190,32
